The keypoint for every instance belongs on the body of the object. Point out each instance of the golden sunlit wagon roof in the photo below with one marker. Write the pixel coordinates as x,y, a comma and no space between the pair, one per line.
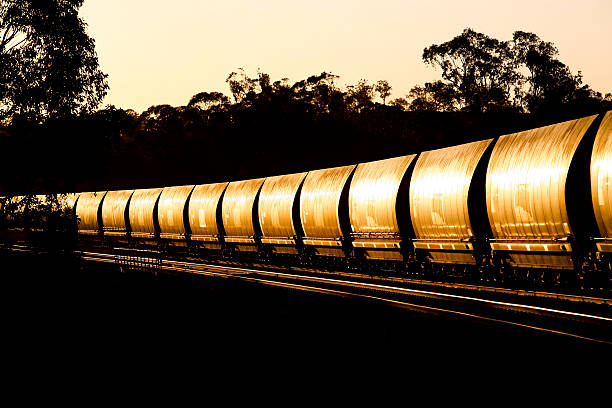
526,180
320,202
114,210
171,210
601,176
276,202
439,191
87,210
141,211
202,209
373,195
237,207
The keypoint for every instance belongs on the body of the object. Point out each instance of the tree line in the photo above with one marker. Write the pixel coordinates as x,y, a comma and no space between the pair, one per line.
55,138
484,74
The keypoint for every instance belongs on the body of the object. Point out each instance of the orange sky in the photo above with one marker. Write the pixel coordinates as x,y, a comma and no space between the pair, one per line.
159,52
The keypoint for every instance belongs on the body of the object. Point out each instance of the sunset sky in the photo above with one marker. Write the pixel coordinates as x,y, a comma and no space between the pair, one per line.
158,52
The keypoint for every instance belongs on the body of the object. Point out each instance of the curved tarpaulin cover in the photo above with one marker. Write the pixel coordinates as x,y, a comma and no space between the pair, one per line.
87,208
114,210
276,202
141,211
439,191
373,195
320,202
202,209
601,176
171,209
526,180
237,207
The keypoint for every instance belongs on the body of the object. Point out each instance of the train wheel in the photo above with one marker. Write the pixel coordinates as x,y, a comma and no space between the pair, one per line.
544,278
555,278
504,274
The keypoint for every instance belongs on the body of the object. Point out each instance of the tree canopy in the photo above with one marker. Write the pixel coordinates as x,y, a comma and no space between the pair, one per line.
48,64
483,74
264,125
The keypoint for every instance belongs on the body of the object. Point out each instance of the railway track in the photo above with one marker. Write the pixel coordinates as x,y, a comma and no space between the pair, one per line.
584,318
564,315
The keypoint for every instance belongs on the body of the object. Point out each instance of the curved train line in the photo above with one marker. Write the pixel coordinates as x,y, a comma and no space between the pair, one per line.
533,206
369,291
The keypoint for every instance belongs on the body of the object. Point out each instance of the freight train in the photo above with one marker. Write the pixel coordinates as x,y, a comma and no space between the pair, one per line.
533,206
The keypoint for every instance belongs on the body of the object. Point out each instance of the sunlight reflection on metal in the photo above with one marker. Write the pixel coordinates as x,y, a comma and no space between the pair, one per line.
114,209
141,212
203,206
237,208
373,195
601,174
171,211
320,202
276,205
526,180
87,209
439,191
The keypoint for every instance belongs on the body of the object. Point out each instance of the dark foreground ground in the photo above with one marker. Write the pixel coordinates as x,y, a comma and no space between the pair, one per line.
57,314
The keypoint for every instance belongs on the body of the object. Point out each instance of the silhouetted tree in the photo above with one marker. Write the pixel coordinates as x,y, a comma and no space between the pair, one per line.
401,103
482,74
48,64
479,68
359,95
244,87
434,96
383,89
208,100
319,94
549,81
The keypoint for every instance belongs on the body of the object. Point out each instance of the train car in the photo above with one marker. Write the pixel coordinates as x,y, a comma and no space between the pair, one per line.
448,208
536,188
324,213
239,209
378,211
205,218
534,206
89,212
601,194
115,216
279,215
143,217
68,201
172,214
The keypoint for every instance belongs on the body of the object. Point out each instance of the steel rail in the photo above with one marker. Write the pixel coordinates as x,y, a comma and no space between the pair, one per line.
413,292
452,285
247,274
390,302
272,278
405,291
477,288
400,280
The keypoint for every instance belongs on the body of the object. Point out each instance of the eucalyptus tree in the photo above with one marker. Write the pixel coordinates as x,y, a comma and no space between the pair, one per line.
48,63
482,74
383,89
478,68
